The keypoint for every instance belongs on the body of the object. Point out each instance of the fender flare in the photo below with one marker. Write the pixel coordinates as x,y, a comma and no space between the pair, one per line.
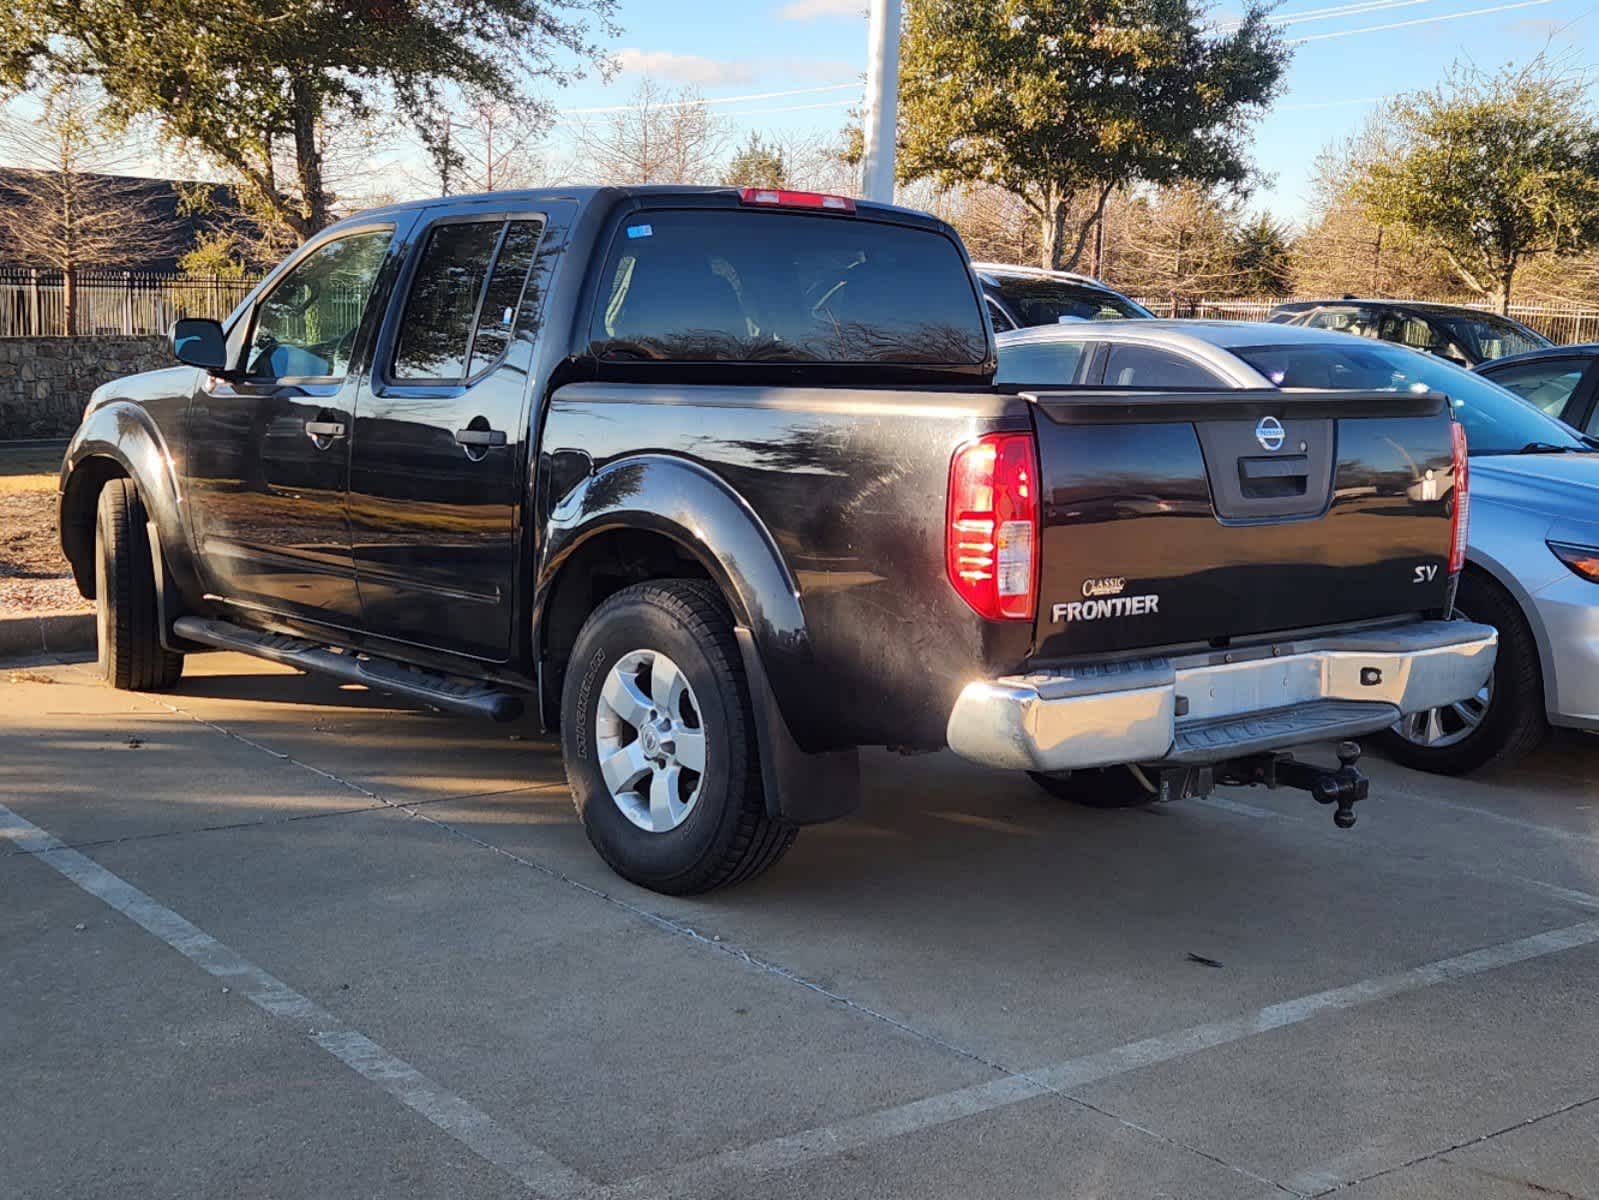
124,433
683,501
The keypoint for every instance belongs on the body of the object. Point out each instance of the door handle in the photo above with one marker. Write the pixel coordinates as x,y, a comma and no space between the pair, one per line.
479,439
316,430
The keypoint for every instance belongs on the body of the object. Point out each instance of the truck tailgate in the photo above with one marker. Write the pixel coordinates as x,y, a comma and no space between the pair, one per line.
1197,517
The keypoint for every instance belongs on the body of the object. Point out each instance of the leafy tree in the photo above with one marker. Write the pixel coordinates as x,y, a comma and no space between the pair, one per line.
1178,242
68,209
1262,257
258,85
757,165
1056,102
1493,169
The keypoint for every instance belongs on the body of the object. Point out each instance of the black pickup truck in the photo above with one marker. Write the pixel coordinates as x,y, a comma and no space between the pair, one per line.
719,483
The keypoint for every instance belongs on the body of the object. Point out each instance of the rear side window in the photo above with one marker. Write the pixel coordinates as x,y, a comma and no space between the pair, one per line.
1548,385
442,305
740,286
1047,364
1149,367
504,298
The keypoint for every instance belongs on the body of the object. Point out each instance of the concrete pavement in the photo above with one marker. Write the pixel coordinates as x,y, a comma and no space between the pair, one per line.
266,935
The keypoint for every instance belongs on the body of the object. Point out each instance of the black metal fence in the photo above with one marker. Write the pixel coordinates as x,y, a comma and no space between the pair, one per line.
33,303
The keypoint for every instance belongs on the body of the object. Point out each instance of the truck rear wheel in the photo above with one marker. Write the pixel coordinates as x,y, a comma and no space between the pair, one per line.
1098,787
127,619
659,742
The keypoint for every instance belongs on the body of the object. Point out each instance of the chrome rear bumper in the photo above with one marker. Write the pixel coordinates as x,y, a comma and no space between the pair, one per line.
1220,705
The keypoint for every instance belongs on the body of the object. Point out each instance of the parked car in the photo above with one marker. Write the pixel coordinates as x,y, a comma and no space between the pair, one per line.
1019,297
1462,335
1532,559
1562,381
719,483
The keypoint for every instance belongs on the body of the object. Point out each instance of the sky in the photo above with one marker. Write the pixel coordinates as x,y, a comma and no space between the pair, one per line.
1357,52
797,67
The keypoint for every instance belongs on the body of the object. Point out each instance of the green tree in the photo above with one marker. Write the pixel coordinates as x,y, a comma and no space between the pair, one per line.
757,165
1262,257
1493,168
258,85
1057,102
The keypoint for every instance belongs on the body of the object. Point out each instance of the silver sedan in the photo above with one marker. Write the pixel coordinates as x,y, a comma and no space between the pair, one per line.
1532,561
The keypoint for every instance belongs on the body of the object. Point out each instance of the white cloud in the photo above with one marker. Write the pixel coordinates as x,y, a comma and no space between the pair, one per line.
809,10
685,68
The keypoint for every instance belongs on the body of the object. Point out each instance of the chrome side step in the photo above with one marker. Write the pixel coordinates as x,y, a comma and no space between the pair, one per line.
448,692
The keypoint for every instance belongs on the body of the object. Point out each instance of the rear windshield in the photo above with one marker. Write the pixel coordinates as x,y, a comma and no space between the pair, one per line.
742,286
1050,301
1496,422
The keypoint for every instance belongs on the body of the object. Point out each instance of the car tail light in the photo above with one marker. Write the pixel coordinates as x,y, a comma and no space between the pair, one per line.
991,537
783,198
1462,514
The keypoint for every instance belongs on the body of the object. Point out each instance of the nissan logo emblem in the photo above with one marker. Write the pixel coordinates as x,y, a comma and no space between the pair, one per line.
1269,433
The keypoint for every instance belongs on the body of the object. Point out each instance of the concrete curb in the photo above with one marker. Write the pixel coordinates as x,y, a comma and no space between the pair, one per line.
60,633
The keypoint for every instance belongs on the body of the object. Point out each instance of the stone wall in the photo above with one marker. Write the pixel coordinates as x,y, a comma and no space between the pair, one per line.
45,382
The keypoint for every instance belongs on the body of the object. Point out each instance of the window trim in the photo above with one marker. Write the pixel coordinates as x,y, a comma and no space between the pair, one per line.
383,367
288,268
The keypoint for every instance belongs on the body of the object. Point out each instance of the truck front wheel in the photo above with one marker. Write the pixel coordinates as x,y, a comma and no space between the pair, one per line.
659,742
127,618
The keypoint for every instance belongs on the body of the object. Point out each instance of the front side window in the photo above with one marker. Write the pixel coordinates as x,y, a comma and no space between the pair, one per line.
1547,385
305,327
746,286
1132,366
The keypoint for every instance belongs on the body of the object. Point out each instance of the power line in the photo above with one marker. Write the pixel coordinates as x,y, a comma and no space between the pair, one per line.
617,108
1474,12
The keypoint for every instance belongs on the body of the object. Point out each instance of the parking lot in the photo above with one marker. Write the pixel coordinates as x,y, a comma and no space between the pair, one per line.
267,936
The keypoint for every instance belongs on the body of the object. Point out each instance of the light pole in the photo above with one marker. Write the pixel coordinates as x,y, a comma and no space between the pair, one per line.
882,101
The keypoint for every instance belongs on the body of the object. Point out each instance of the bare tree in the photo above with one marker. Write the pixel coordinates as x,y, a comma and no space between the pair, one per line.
487,145
659,137
69,208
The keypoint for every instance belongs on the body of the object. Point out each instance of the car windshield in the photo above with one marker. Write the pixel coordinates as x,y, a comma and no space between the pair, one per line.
1044,301
1489,337
1496,422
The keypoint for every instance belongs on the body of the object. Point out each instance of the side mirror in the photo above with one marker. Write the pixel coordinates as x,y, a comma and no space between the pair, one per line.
200,342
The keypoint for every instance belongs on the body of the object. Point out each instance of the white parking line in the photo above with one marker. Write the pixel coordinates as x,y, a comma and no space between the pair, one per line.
469,1125
1060,1078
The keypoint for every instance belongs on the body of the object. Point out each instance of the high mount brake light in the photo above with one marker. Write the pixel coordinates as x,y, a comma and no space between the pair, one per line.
782,198
991,532
1462,514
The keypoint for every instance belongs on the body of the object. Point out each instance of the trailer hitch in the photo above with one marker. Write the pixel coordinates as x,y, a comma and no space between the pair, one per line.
1342,786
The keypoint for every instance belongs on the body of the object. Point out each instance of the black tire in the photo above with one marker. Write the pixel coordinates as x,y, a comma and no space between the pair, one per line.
131,656
1515,723
1099,787
727,836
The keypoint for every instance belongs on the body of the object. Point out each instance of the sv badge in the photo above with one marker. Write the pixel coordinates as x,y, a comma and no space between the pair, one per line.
1425,574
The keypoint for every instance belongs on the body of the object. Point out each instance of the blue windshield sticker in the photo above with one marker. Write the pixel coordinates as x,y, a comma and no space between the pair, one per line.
638,231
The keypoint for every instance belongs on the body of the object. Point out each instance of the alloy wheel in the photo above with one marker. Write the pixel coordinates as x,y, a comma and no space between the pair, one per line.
650,739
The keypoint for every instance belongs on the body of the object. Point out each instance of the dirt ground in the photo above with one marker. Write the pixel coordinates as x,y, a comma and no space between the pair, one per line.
34,578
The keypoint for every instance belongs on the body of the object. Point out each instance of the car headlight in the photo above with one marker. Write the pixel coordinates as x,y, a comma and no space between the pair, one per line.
1583,560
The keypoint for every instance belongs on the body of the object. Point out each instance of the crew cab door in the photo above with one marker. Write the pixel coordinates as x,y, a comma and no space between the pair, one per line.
268,452
441,447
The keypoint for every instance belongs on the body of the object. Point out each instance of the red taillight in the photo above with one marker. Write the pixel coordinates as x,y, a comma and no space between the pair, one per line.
1462,514
991,538
783,198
